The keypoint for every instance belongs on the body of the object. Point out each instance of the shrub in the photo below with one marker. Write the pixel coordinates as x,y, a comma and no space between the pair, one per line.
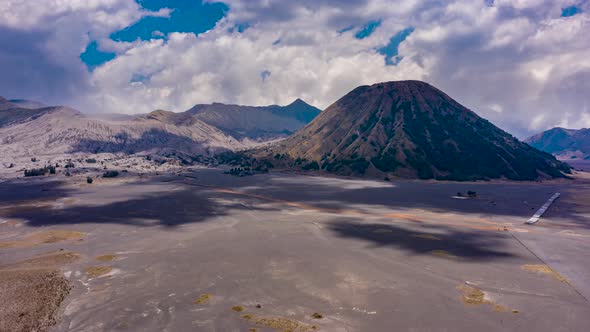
68,173
51,170
34,159
11,165
317,315
91,161
70,165
311,166
110,174
36,171
89,180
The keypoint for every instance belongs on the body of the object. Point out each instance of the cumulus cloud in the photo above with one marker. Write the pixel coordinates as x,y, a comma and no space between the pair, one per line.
518,63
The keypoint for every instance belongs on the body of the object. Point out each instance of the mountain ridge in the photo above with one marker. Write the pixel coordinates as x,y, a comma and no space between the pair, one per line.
563,143
256,122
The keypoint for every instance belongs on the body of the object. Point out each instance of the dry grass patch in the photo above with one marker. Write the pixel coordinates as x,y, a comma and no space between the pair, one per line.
30,298
49,260
544,269
472,295
32,290
44,237
203,299
106,258
280,324
475,296
237,308
97,271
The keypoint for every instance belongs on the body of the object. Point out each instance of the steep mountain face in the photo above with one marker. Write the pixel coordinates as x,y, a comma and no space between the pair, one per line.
60,130
410,129
563,143
258,123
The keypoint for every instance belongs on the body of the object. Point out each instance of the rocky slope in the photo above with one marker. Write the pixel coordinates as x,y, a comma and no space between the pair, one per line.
563,143
410,129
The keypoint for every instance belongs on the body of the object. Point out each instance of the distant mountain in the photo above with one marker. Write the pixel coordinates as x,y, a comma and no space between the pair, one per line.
410,129
29,104
256,122
11,113
116,117
563,143
28,131
54,131
5,104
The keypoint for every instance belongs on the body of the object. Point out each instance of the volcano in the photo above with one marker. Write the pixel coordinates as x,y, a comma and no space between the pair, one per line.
410,129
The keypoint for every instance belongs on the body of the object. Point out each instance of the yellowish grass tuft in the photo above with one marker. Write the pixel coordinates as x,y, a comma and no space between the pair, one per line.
97,271
204,298
106,258
544,269
237,308
44,237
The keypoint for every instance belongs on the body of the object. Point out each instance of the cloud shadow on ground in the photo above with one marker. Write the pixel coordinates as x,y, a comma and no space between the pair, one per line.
448,242
165,208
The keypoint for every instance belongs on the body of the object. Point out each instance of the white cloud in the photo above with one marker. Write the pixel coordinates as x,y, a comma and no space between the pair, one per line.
517,63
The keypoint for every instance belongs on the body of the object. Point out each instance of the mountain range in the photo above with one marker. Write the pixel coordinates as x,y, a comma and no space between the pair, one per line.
404,129
259,123
409,129
26,131
563,143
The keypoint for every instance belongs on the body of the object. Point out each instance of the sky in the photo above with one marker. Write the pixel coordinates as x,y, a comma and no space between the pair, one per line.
522,64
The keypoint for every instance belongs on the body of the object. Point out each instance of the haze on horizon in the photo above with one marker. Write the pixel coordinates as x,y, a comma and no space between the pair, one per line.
524,65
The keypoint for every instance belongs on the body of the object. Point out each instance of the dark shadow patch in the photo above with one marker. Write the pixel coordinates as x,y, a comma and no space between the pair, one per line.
30,190
164,208
474,246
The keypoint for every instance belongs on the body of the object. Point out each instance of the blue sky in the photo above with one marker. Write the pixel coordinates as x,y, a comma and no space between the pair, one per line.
524,65
391,50
185,16
570,11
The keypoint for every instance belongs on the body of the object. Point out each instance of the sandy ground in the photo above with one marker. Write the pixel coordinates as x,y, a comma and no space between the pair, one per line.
205,251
